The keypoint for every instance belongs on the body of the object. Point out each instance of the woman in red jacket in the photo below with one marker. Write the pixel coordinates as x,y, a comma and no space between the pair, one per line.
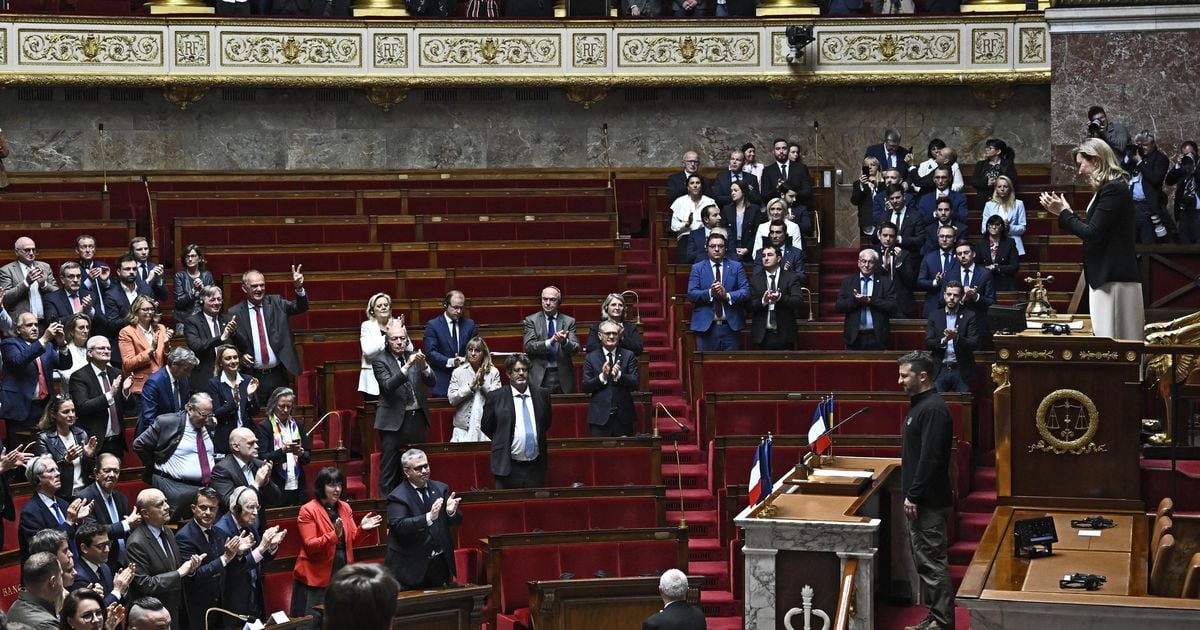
327,538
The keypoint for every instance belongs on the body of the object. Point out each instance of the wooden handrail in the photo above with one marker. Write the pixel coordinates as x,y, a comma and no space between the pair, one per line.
846,592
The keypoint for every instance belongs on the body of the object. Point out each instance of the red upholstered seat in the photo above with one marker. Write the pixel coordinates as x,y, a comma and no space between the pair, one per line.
10,577
488,519
557,516
519,565
279,592
645,557
291,542
568,467
458,470
623,467
585,560
620,513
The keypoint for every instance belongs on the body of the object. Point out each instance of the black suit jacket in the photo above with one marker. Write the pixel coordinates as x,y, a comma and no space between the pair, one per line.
676,616
205,586
91,405
677,185
389,412
116,531
964,345
244,591
902,271
411,542
57,306
227,475
279,330
35,517
616,394
499,418
798,179
1153,168
1007,261
49,443
751,219
116,305
724,183
201,340
790,301
103,575
225,410
278,458
882,305
156,575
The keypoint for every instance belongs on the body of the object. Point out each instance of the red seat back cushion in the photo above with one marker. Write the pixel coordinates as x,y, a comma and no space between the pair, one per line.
519,565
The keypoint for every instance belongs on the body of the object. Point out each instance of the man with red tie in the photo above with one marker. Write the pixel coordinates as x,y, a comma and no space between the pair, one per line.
72,297
102,397
29,363
264,335
178,450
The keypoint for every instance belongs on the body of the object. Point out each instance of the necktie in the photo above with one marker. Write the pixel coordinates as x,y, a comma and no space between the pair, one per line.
945,261
550,332
114,418
215,326
530,432
718,305
966,277
771,309
896,219
35,299
115,517
612,359
208,536
162,540
57,512
75,305
454,335
175,395
43,388
424,492
783,170
202,453
864,313
262,336
143,272
737,177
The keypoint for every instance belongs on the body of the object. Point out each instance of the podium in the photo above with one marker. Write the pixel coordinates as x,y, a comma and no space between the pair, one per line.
1067,419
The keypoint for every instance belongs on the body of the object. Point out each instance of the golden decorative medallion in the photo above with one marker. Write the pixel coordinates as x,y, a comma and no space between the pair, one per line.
1131,356
1067,354
1004,353
858,47
91,47
489,50
291,50
687,49
1067,421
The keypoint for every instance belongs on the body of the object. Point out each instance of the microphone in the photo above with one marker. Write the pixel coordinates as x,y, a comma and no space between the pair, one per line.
831,429
210,611
682,427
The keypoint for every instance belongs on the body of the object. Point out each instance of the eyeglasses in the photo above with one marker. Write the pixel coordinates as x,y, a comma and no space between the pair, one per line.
92,615
418,468
691,161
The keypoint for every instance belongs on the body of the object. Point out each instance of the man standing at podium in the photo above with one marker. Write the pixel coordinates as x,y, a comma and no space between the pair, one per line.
925,481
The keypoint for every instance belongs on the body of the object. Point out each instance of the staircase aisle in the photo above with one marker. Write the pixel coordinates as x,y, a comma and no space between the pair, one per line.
688,469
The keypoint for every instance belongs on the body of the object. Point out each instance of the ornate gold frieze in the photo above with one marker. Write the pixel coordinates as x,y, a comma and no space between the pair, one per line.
498,50
686,49
191,48
1033,44
1035,354
1067,421
385,97
391,50
859,47
258,49
76,48
590,50
1088,355
3,47
586,96
989,46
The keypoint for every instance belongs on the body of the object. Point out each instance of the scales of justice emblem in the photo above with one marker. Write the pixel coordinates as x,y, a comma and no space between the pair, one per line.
1067,422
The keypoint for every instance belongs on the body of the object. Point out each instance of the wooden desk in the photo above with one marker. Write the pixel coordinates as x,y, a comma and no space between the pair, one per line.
598,603
1001,590
441,609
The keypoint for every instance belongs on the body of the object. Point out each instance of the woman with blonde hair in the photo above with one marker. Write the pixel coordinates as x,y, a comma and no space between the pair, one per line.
613,309
469,384
776,209
372,338
1004,203
862,196
143,343
1108,234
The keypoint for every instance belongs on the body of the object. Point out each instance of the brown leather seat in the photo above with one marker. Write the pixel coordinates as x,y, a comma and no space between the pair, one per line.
1162,563
1166,507
1162,526
1191,583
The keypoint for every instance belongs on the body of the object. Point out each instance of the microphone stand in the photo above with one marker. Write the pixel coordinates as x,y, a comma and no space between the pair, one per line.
103,160
243,618
683,429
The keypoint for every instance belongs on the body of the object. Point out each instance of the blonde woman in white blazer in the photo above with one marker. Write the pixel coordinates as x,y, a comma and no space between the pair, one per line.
372,337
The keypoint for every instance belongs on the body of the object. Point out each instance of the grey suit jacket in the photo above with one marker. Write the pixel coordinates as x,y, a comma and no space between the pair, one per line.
16,293
156,574
389,413
539,354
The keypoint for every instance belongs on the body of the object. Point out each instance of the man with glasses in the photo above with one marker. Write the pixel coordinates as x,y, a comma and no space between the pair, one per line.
110,508
610,375
677,182
420,512
103,396
72,297
26,281
91,563
177,450
868,301
244,592
29,363
199,536
717,288
159,565
46,510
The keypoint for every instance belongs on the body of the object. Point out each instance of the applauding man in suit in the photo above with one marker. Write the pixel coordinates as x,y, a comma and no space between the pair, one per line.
610,375
420,512
446,338
717,288
402,415
102,397
516,419
775,299
868,301
551,343
264,334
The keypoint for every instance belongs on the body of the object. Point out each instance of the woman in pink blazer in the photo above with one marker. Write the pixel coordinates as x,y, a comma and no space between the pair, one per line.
143,342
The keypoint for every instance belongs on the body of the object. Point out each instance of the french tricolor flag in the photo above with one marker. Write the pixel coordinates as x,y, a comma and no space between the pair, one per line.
760,473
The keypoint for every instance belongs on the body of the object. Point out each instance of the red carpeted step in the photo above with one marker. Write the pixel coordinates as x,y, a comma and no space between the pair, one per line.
664,370
694,476
666,387
704,549
693,499
715,574
723,623
962,551
640,281
656,338
700,523
716,603
972,526
688,454
983,480
979,502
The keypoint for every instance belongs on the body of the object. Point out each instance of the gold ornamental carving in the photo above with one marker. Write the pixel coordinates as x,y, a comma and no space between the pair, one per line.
249,49
857,47
1033,45
993,95
1000,375
590,50
182,97
499,50
1089,355
191,48
1067,421
385,97
75,48
586,95
391,50
692,49
1035,354
3,46
989,46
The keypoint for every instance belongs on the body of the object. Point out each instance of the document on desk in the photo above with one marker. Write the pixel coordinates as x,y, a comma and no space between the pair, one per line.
835,472
1090,532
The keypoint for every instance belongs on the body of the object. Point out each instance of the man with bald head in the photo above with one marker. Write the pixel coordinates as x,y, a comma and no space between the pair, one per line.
159,567
551,344
677,181
26,280
242,467
264,334
177,450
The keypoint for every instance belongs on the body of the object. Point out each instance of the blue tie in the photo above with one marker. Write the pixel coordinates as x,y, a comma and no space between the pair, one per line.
57,512
553,360
530,434
945,261
115,518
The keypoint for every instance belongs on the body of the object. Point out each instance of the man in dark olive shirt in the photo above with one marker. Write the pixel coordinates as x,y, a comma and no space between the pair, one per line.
925,481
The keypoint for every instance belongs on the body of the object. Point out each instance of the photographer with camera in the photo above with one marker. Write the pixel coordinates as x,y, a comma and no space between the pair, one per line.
1184,176
1147,168
1114,133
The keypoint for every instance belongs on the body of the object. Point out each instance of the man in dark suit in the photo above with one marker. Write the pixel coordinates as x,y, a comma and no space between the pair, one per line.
710,216
242,467
725,179
868,301
420,512
880,211
979,293
205,333
517,420
177,452
910,225
889,152
937,266
9,459
244,591
29,364
717,288
1185,177
148,271
446,338
198,536
785,171
121,294
610,375
102,397
402,414
775,297
941,190
264,334
110,508
1147,168
159,565
91,563
951,336
97,277
551,344
677,613
677,182
943,216
167,390
26,281
899,265
45,510
791,258
71,298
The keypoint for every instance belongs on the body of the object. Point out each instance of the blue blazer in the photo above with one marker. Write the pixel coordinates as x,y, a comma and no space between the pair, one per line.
35,517
21,376
158,398
102,576
439,348
879,212
931,266
116,531
875,150
697,247
981,279
733,276
57,306
116,305
958,207
203,588
225,411
724,183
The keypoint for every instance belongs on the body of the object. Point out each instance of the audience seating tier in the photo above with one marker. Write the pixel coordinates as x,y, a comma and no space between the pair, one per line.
60,234
55,206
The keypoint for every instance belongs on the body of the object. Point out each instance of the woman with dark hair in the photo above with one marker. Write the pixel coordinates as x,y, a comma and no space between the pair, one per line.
283,442
752,165
997,161
68,444
741,219
77,328
469,385
613,309
327,538
687,215
233,393
83,609
189,282
998,252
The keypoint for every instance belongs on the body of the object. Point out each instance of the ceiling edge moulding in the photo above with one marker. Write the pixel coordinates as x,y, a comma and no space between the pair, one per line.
176,53
1113,19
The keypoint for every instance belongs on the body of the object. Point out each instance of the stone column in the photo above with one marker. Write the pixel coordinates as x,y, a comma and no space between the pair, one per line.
759,601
